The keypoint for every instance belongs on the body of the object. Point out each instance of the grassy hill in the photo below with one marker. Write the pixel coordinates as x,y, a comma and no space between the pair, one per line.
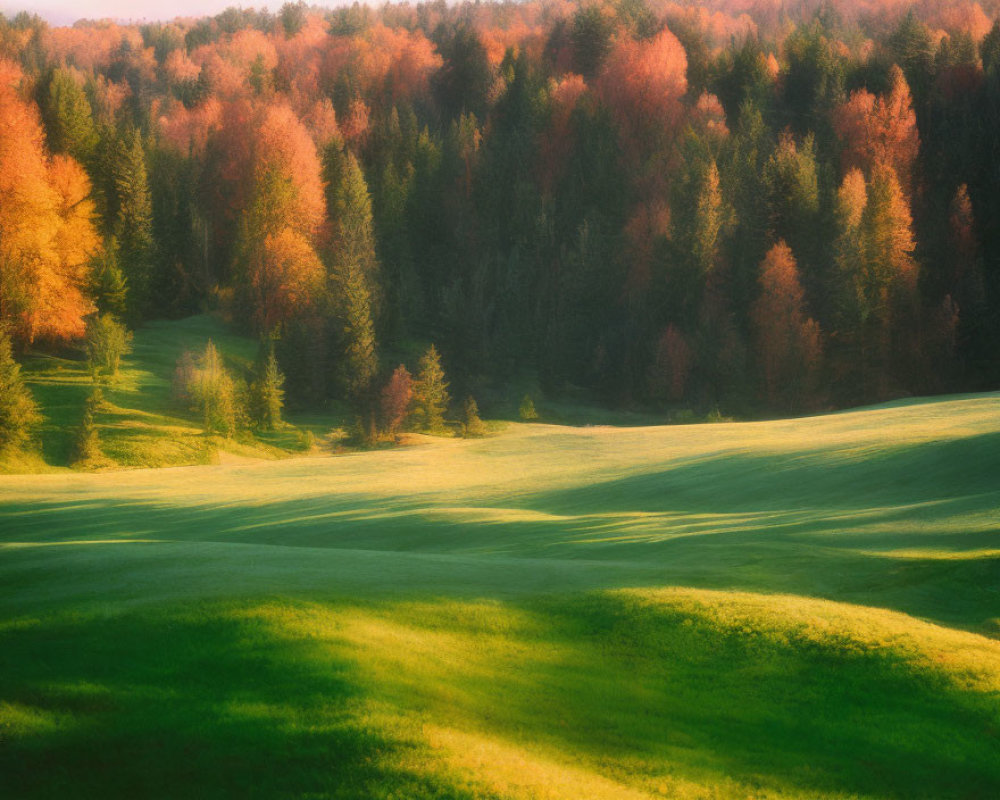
140,425
789,609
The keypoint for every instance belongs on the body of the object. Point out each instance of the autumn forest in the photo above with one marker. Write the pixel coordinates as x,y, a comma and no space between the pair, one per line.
759,207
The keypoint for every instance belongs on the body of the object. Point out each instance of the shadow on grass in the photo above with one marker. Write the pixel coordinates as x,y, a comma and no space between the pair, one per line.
199,702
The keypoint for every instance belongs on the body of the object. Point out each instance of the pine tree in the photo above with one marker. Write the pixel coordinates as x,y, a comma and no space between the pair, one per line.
352,240
87,449
472,425
267,394
66,112
133,224
430,392
18,412
108,285
360,362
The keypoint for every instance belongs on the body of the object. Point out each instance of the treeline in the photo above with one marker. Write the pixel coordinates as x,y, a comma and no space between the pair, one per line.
659,203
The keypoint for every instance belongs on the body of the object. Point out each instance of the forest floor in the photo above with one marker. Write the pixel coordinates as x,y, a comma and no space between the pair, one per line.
788,609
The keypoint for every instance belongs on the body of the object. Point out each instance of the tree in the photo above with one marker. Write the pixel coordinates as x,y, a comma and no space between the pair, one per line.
357,335
18,412
430,392
69,122
671,368
397,395
788,342
108,285
472,425
526,411
267,395
107,341
46,231
352,234
133,219
643,83
889,281
880,131
87,448
591,39
205,385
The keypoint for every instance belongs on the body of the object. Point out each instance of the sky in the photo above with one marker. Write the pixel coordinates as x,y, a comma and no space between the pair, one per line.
65,12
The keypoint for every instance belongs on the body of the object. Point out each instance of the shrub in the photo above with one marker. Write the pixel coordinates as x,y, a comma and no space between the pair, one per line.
395,401
206,387
18,412
87,449
472,425
527,409
107,341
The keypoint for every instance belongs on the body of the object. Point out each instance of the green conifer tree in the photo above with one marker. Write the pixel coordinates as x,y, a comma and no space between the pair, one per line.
18,412
88,448
430,392
133,223
472,425
68,118
108,285
266,392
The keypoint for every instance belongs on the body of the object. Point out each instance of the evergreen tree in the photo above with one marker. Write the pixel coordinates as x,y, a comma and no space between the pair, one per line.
267,394
527,409
349,205
430,392
472,425
357,335
87,448
69,122
133,223
18,412
108,285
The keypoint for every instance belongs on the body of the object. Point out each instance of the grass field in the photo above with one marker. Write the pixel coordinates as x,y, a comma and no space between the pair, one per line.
140,424
791,609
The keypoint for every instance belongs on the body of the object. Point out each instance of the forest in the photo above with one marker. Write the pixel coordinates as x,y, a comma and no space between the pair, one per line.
747,205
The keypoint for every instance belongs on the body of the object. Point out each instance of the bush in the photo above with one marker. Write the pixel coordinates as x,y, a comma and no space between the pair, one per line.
87,449
395,401
527,409
204,386
472,425
18,412
107,341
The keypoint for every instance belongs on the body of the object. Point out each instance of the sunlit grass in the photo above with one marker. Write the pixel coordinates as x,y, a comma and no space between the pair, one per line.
793,609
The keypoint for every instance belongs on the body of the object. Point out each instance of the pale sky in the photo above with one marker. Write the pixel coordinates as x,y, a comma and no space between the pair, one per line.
65,12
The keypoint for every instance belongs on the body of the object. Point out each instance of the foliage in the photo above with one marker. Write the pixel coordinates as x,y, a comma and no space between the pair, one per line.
397,395
18,410
430,392
87,448
472,425
107,340
205,385
267,395
526,411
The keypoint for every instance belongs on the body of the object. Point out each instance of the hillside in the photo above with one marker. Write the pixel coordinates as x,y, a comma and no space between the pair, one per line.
140,424
791,609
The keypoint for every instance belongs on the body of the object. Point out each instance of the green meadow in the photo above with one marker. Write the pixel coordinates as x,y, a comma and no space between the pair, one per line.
801,608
